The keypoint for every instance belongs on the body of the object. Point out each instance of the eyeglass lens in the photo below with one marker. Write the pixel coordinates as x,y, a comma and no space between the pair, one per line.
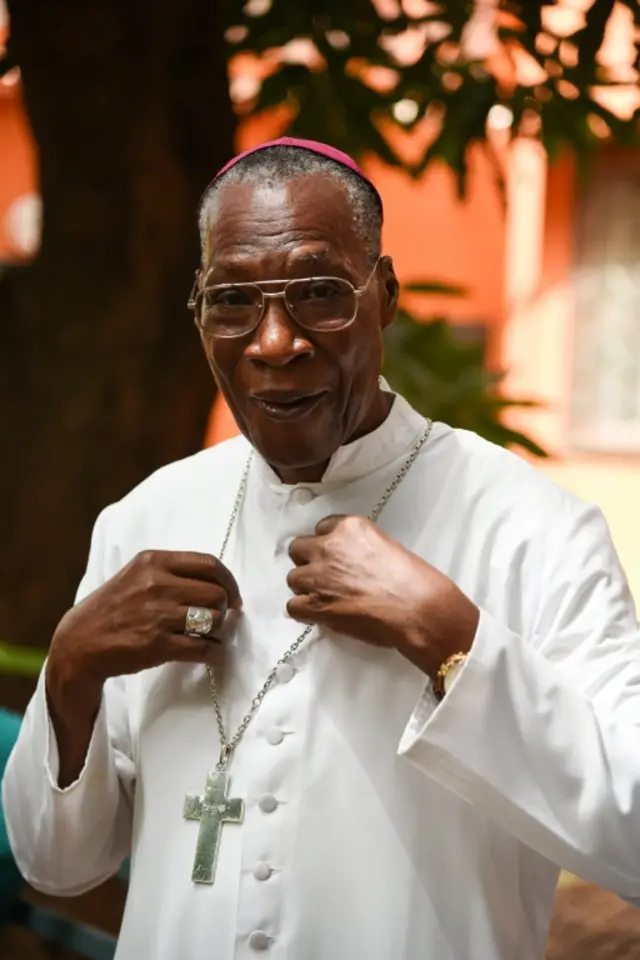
321,304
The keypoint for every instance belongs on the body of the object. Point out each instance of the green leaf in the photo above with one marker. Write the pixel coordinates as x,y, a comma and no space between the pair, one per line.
323,105
433,287
21,661
335,106
590,38
446,379
286,85
464,123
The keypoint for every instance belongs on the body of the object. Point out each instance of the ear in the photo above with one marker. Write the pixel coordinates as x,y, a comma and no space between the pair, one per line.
391,291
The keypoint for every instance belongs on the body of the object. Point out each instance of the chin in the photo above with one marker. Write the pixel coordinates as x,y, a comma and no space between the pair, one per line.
293,455
295,451
305,441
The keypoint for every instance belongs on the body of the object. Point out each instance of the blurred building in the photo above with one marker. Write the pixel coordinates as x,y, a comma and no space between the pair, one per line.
552,281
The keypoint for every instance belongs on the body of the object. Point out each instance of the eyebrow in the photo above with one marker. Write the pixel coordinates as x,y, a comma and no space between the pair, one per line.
245,271
326,259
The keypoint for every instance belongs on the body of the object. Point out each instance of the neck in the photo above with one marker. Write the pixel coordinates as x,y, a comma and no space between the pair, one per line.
314,473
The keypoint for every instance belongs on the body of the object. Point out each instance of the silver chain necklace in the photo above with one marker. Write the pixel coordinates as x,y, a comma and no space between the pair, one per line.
227,747
215,807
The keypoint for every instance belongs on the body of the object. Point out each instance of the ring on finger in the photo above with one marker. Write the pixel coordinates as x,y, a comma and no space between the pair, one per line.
198,622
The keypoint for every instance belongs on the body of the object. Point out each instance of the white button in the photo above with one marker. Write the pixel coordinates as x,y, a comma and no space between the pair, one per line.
262,871
259,940
303,495
284,672
275,736
267,803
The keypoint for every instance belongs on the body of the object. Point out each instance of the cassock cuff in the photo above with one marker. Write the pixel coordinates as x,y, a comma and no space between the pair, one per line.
439,732
98,755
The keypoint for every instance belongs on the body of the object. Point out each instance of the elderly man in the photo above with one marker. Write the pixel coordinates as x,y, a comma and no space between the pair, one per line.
354,685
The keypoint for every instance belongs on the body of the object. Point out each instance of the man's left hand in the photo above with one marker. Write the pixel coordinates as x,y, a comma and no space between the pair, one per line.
354,580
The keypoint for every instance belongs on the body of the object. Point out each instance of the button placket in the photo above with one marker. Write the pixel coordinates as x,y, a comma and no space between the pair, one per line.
268,822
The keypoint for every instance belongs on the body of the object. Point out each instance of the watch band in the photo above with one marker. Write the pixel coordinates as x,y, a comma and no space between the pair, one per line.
440,684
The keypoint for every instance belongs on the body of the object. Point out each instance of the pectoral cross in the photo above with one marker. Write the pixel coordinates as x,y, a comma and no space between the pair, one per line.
212,810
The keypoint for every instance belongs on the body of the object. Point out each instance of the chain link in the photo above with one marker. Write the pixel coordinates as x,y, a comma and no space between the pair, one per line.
227,747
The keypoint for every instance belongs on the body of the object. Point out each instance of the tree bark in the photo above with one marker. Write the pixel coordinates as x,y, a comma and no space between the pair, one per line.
102,379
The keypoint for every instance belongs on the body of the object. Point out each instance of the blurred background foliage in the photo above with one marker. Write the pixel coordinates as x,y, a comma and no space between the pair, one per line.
101,377
446,378
461,60
20,661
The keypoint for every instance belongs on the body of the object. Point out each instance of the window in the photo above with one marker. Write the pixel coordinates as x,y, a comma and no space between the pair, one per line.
605,401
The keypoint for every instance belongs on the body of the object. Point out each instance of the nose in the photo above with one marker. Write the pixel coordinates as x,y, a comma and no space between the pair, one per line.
278,340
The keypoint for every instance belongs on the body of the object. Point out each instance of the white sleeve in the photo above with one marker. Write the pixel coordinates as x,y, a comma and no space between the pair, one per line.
541,733
66,841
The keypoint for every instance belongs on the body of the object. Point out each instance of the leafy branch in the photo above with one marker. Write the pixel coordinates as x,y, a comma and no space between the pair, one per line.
355,67
446,379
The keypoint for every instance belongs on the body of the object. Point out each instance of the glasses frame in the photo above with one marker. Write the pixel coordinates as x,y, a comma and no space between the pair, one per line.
195,298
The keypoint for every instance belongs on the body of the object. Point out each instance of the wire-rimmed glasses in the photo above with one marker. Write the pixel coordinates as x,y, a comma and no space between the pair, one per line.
319,304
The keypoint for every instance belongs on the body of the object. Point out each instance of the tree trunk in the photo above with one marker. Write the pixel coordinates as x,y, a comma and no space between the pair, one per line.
102,379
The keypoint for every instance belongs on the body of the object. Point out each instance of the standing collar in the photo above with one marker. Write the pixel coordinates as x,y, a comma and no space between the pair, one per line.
358,459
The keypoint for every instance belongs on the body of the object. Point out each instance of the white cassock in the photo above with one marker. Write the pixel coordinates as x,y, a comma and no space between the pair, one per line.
378,824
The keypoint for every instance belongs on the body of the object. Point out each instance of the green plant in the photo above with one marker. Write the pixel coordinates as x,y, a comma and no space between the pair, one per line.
446,379
21,661
514,55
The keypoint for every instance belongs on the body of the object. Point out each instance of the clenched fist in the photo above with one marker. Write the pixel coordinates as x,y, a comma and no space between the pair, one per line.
354,580
134,621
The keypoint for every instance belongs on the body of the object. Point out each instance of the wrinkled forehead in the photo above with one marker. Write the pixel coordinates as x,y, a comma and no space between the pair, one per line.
255,228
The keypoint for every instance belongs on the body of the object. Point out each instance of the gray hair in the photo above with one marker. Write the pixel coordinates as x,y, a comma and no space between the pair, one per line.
278,165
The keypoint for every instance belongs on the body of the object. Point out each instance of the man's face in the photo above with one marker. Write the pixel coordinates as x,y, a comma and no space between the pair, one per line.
297,395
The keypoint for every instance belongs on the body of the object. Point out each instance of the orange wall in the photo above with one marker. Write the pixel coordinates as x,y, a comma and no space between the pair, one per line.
17,161
432,235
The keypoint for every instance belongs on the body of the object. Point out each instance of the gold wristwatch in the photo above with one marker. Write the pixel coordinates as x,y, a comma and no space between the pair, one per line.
448,673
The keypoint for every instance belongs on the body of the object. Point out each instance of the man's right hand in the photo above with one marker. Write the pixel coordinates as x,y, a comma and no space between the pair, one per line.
134,621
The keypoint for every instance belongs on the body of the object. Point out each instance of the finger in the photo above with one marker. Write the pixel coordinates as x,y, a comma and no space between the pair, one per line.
329,524
303,549
302,609
204,566
196,593
301,579
183,649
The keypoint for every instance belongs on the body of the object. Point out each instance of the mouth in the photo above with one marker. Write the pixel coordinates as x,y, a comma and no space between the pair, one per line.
291,405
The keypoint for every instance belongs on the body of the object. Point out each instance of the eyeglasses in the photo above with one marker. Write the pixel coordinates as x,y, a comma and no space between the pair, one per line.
319,304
